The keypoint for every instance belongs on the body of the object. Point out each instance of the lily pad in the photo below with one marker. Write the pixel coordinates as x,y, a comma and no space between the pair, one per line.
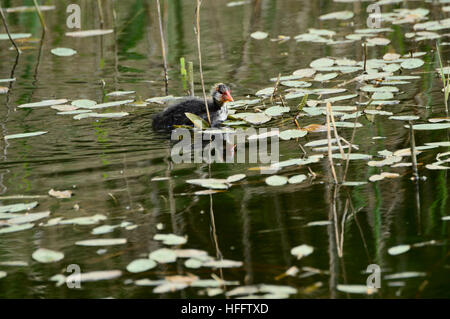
102,242
45,256
170,239
400,249
321,63
339,15
141,265
259,35
297,179
412,63
23,135
276,180
84,103
63,52
302,251
43,103
292,134
163,256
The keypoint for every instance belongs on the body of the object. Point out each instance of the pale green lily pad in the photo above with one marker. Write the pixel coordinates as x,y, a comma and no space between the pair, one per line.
104,229
378,112
276,180
45,256
265,92
340,98
412,63
276,110
235,178
100,115
400,249
371,88
84,103
170,239
347,124
254,118
404,117
89,33
259,35
3,274
14,263
141,265
405,275
193,263
319,223
292,134
94,276
434,126
325,77
28,218
169,287
223,263
89,220
17,207
14,36
302,251
296,84
15,228
163,256
339,15
102,242
321,63
353,156
23,135
212,183
356,289
304,73
43,103
120,93
297,179
109,104
63,51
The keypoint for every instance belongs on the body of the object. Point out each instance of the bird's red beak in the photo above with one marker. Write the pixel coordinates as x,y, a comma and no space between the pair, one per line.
226,97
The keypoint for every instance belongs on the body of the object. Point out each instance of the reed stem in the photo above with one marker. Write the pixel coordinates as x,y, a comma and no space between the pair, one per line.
5,24
41,17
163,48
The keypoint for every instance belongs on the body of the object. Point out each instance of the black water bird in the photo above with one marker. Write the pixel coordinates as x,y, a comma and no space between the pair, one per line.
175,114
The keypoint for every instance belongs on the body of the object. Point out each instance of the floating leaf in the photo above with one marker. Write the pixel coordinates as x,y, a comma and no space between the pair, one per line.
60,194
254,118
302,251
356,289
212,183
276,180
265,92
88,33
353,156
404,117
120,93
292,134
193,263
83,103
17,207
197,120
14,36
43,103
405,275
297,179
400,249
435,126
141,265
102,242
325,77
276,110
104,229
223,263
28,218
305,73
259,35
163,256
63,52
321,63
15,228
108,104
23,135
170,239
3,274
45,256
339,15
412,63
94,276
235,178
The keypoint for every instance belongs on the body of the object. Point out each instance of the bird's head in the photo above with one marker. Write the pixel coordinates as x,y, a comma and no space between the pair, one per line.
221,94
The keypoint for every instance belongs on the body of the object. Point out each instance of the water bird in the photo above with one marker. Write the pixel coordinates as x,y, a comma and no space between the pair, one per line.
175,114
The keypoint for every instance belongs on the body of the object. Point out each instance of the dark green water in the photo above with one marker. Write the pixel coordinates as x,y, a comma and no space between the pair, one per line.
110,163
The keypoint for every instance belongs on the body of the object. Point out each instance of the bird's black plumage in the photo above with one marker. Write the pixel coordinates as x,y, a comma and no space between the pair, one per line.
175,114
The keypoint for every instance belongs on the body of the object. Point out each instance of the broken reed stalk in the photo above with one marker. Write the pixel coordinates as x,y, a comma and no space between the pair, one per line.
197,32
336,135
183,73
445,83
365,56
163,48
413,152
41,17
100,12
272,97
7,31
330,155
191,78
